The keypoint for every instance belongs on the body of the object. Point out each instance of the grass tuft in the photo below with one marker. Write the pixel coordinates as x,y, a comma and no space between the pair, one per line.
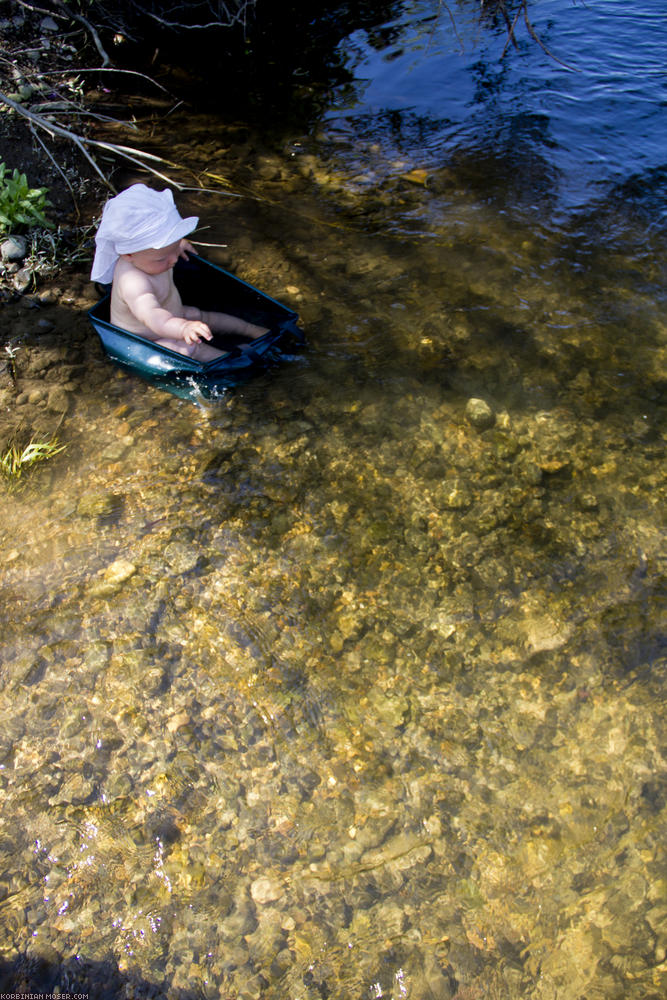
16,459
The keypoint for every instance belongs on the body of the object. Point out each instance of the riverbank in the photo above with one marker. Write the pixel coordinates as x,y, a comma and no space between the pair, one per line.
44,294
44,286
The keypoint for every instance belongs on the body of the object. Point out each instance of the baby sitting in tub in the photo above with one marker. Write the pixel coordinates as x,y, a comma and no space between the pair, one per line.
140,238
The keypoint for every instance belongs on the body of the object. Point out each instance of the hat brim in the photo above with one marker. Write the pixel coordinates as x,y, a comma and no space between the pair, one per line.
181,229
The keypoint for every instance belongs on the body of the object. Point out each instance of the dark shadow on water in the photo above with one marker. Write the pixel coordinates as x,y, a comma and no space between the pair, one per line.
637,205
278,67
406,130
45,972
508,170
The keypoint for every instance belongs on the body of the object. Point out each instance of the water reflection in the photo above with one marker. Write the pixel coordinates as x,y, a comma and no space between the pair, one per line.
592,114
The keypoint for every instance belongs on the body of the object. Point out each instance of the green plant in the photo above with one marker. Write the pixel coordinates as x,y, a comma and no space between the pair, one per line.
16,459
21,205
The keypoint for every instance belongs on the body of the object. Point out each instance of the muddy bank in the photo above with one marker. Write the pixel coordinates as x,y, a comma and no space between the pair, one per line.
49,356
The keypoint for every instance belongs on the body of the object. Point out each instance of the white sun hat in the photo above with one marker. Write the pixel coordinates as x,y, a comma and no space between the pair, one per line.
138,218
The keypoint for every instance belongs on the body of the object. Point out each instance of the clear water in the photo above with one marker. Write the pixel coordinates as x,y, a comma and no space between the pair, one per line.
319,690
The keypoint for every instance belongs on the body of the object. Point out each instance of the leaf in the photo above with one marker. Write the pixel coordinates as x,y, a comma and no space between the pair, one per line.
19,203
416,176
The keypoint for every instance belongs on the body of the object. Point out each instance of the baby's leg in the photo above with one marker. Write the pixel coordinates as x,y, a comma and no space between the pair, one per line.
200,351
224,323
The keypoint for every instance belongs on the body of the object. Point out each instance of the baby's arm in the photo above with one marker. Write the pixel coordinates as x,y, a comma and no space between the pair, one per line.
142,302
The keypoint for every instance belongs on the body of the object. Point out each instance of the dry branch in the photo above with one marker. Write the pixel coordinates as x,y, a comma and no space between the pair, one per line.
87,25
136,156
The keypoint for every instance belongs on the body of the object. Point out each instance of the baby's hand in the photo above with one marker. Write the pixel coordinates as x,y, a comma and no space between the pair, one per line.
185,248
194,330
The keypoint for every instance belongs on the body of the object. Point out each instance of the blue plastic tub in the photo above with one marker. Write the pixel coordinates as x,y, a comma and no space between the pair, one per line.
210,288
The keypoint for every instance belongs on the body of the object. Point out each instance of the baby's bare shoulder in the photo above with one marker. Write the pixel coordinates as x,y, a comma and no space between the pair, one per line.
131,281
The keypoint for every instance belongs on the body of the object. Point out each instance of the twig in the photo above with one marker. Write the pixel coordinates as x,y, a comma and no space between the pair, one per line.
54,129
453,23
500,5
436,18
51,106
127,152
237,18
136,156
510,33
41,10
88,26
59,169
203,190
104,69
533,34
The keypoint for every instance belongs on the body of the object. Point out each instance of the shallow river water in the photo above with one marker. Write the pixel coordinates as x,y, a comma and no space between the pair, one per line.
342,685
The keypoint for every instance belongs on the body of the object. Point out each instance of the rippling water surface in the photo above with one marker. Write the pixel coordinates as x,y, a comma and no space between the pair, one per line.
531,132
344,685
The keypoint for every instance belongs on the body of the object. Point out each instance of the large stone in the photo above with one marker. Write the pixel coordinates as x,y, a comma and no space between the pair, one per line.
479,413
181,557
13,248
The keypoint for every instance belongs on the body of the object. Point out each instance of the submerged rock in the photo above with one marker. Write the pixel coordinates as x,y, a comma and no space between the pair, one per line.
97,504
479,413
75,791
266,890
543,633
181,557
453,494
58,399
114,577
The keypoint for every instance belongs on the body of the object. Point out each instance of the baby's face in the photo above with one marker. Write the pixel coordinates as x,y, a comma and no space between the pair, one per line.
156,261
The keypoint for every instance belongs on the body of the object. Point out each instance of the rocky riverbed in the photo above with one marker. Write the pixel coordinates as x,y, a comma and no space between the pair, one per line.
348,683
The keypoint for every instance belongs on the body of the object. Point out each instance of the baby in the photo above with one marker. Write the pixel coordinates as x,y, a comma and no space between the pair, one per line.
140,238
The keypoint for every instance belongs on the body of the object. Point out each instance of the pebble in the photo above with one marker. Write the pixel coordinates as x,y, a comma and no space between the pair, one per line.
120,571
543,633
113,578
97,504
453,494
115,451
479,413
266,890
22,279
182,557
75,791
